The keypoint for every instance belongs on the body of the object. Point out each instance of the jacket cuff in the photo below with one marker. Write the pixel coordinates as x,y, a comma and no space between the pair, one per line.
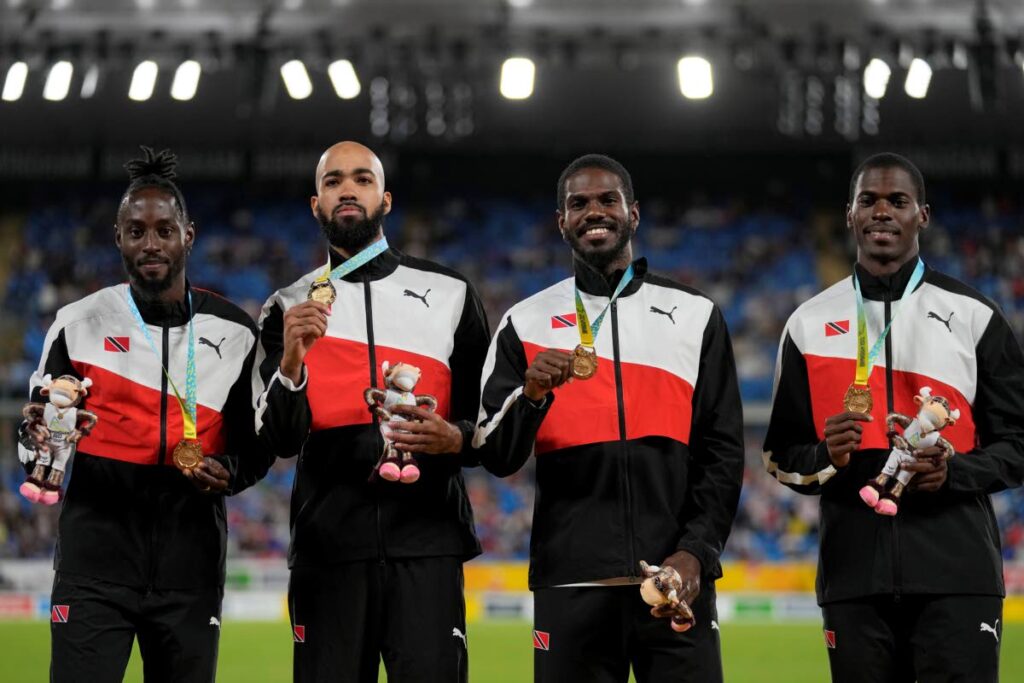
287,383
710,567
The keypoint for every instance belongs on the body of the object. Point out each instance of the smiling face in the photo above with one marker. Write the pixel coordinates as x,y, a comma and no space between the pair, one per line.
154,239
65,391
596,221
886,219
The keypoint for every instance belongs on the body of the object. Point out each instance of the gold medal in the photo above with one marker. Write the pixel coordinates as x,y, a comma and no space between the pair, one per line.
322,291
187,454
858,399
584,362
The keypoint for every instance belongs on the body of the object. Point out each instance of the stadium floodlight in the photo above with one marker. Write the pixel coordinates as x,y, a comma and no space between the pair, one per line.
296,79
58,81
90,81
186,80
14,83
918,78
143,81
344,79
520,4
696,81
876,78
517,75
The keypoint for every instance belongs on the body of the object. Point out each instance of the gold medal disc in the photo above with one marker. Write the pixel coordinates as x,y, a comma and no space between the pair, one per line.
858,399
322,291
187,454
584,362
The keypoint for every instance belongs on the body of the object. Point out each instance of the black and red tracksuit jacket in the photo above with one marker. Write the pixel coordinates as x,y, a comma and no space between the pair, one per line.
945,336
395,308
129,516
643,459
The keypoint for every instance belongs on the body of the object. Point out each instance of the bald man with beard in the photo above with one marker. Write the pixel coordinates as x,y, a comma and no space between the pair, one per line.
376,566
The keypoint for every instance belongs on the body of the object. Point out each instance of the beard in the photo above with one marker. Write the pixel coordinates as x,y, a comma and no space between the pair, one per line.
351,234
153,287
601,257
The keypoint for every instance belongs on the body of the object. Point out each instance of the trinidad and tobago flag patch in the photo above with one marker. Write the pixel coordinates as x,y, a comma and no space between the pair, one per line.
541,640
117,344
59,614
830,639
299,633
564,320
837,327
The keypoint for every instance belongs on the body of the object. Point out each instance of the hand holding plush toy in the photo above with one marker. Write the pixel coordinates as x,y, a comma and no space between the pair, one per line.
399,381
50,433
664,591
918,433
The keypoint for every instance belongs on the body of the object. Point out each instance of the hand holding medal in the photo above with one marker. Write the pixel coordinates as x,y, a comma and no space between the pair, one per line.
550,368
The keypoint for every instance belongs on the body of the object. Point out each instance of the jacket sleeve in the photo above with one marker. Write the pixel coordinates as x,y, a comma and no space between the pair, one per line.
997,463
716,450
282,413
246,457
466,363
793,454
508,421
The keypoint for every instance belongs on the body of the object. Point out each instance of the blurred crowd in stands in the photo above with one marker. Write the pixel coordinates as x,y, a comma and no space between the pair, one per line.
758,264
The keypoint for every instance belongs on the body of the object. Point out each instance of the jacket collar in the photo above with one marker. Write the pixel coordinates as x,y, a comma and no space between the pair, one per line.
377,268
887,286
593,281
159,313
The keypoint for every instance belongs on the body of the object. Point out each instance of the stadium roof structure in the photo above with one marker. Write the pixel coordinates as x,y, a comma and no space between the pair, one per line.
426,74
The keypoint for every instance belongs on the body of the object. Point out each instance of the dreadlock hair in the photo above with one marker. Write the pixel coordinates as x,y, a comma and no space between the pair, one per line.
154,170
600,161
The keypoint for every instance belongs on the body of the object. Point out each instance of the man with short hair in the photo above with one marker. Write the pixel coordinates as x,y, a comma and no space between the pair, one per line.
376,566
638,439
910,581
140,544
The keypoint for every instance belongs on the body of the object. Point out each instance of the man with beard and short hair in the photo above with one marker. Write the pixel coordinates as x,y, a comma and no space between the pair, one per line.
638,438
376,566
141,543
914,593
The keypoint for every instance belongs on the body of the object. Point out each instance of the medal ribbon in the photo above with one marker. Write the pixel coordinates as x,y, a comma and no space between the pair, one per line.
357,261
188,405
865,358
588,331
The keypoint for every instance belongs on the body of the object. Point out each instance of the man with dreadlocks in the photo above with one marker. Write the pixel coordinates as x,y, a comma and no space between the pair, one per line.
141,538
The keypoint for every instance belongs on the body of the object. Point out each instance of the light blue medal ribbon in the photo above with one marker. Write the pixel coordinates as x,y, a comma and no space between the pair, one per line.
188,404
866,359
357,261
588,331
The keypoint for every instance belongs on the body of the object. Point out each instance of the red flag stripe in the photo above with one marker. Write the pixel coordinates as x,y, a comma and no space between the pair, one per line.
564,320
541,640
117,344
837,327
299,633
59,614
830,639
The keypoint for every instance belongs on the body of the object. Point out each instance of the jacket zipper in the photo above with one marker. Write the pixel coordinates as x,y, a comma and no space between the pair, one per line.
162,455
623,453
373,383
897,565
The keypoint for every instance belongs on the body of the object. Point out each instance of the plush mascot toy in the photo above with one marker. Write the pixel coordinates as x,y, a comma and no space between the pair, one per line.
918,433
50,433
399,381
662,589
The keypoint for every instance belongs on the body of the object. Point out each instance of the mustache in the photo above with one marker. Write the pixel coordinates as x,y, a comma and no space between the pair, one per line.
346,205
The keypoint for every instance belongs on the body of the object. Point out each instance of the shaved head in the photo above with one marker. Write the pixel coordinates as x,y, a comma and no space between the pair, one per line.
350,201
347,156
